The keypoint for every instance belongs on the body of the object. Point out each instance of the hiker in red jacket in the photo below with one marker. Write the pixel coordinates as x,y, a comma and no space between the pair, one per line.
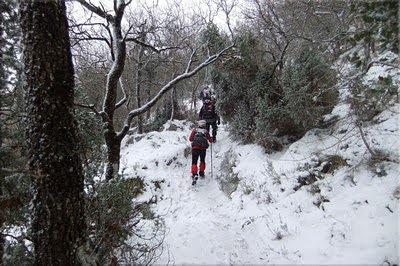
199,138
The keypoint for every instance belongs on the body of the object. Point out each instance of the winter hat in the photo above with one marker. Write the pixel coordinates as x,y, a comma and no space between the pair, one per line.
202,123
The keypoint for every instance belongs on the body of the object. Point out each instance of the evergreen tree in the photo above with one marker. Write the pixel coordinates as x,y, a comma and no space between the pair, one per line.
212,39
375,28
308,93
236,85
374,41
264,104
308,87
14,182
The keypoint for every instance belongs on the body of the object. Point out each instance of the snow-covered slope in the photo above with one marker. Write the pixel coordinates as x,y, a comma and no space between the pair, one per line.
252,209
323,200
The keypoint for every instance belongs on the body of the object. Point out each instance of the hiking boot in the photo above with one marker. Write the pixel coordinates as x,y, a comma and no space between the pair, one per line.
194,179
201,174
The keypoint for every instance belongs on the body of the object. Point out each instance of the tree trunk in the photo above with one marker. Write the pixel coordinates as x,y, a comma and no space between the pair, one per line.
139,83
194,99
113,144
2,220
148,113
2,83
58,223
173,103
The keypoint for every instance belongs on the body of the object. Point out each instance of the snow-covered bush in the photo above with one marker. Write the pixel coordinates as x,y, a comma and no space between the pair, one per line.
369,100
113,220
279,231
228,180
377,30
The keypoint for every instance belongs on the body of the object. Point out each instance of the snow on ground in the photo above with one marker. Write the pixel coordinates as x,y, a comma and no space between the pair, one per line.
323,200
348,215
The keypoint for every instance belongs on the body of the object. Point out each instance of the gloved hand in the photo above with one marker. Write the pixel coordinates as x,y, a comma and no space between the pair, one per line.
218,122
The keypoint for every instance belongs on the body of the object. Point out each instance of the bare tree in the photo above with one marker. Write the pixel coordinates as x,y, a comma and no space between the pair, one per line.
58,222
227,8
117,41
284,25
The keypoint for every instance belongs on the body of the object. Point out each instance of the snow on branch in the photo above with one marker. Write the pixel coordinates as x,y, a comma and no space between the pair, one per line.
190,60
92,107
151,47
97,10
382,63
126,96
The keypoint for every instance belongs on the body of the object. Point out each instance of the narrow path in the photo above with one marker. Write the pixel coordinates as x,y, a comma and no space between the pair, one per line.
202,229
204,225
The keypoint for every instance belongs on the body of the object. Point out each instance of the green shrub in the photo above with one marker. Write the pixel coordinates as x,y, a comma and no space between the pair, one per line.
114,223
307,93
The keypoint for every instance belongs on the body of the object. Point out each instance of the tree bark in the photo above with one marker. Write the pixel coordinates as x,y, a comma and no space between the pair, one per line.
139,71
2,220
58,223
148,113
2,83
173,104
113,144
110,99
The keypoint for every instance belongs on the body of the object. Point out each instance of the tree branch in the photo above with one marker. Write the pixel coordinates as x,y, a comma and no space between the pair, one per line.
381,63
91,39
91,107
359,126
125,98
151,47
104,116
190,61
280,61
166,88
98,11
9,171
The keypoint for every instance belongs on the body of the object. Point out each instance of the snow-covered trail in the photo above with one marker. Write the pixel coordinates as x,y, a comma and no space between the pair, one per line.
199,217
203,225
349,216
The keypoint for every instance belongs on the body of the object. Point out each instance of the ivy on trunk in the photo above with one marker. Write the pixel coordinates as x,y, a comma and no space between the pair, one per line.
58,223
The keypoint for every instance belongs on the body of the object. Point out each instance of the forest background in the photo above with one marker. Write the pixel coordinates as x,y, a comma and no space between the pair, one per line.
276,68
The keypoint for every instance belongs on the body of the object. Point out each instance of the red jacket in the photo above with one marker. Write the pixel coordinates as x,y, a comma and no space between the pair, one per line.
191,138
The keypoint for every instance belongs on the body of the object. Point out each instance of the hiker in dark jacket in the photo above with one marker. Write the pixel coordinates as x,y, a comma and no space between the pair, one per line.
206,93
208,113
199,138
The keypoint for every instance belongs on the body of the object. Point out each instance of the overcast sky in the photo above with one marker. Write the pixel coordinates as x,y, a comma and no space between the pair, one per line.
208,9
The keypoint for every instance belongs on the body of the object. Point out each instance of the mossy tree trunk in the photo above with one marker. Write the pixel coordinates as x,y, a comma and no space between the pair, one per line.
58,223
2,83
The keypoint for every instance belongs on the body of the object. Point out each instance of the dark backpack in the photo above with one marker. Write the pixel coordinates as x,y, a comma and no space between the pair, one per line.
208,111
200,138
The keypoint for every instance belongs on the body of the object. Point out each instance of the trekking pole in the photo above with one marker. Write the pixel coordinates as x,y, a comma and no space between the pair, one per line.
211,163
